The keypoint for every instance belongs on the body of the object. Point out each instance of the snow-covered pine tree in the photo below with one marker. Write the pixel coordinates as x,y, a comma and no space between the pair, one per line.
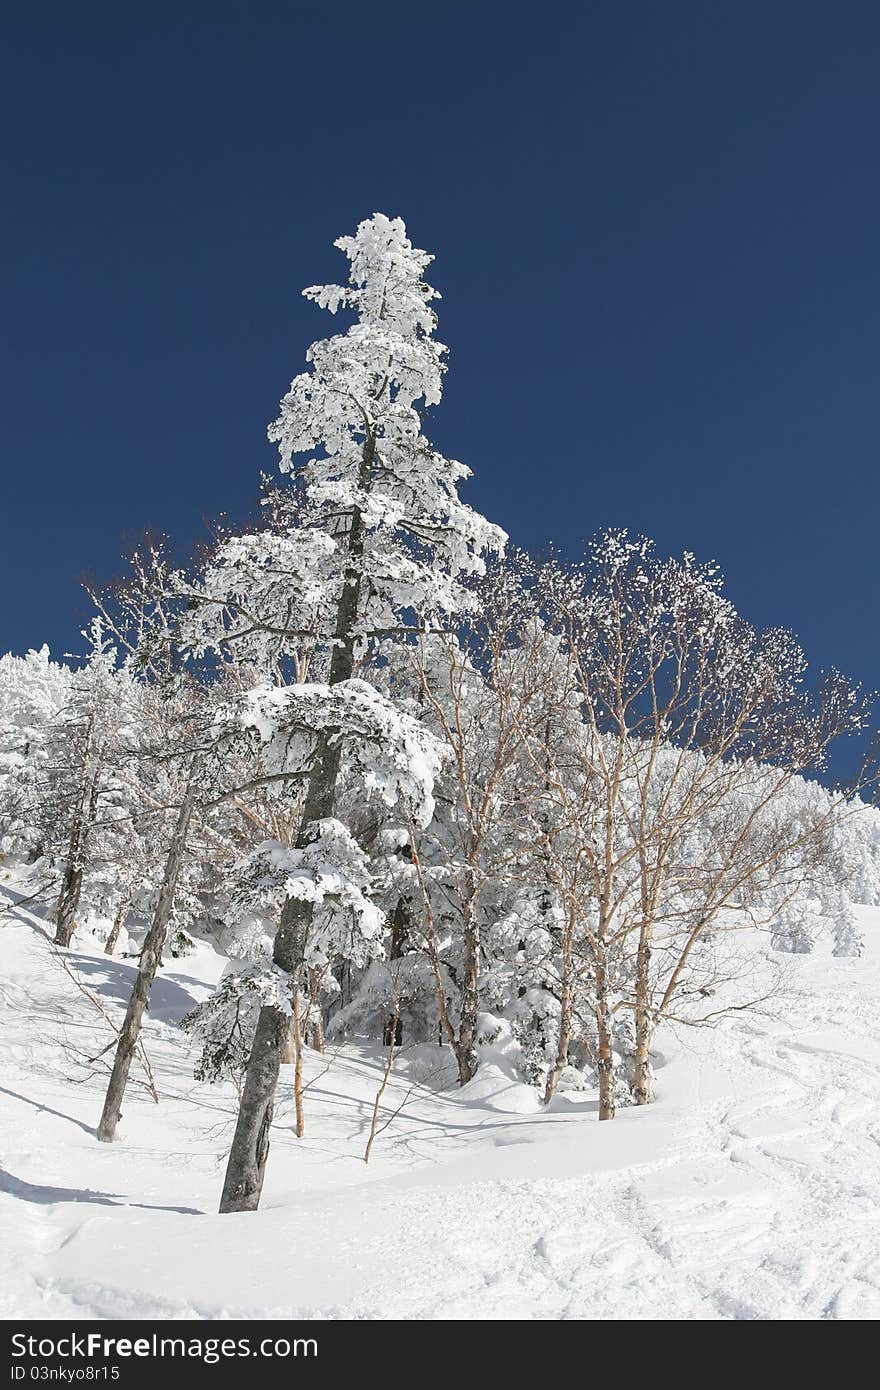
379,547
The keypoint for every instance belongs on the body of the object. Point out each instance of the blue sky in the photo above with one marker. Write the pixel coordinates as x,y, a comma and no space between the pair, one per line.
657,231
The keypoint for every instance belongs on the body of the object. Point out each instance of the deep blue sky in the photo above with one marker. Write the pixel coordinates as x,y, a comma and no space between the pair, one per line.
657,231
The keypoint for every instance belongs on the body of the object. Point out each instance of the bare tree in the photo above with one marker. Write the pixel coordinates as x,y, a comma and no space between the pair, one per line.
150,958
488,691
694,727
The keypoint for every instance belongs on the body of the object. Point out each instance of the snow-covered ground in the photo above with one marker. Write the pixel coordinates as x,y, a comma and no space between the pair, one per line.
751,1189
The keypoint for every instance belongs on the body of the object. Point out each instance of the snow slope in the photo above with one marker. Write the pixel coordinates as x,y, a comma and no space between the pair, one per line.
749,1190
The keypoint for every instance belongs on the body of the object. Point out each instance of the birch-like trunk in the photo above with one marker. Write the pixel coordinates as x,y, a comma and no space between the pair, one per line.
466,1048
151,956
605,1063
288,1051
642,1082
561,1060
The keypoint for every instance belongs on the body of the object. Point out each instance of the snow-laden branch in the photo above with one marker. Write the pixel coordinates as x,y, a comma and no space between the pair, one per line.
390,753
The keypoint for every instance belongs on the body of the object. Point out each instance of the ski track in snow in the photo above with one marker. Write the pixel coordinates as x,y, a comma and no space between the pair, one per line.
749,1190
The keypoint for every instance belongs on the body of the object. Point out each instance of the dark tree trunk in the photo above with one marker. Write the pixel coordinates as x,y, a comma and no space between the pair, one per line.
316,1014
71,886
561,1060
392,1033
118,920
246,1167
400,924
244,1177
298,1068
151,956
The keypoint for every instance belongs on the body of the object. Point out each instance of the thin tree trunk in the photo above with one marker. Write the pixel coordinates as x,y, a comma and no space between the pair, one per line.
401,920
147,967
605,1060
71,886
545,910
561,1060
606,1052
444,1021
121,914
642,1082
393,1042
298,1068
317,1024
466,1047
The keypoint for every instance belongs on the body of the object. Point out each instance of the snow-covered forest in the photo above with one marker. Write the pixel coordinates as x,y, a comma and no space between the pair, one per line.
362,865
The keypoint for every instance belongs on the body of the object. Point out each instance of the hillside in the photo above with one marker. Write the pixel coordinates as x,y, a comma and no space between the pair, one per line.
748,1190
